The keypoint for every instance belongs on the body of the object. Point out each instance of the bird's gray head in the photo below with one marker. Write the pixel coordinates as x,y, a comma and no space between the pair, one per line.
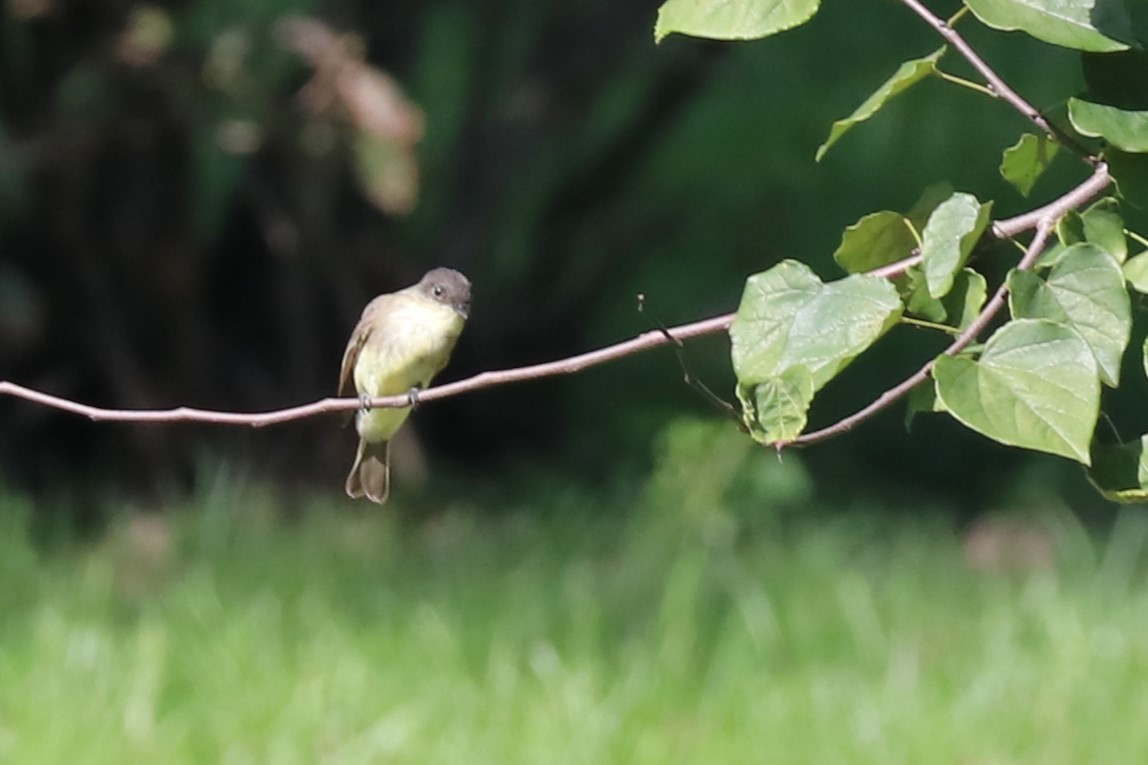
449,287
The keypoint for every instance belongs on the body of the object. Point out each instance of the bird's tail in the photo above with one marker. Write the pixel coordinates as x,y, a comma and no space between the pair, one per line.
370,476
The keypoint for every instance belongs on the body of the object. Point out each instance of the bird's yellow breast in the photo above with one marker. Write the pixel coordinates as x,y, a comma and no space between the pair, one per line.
409,344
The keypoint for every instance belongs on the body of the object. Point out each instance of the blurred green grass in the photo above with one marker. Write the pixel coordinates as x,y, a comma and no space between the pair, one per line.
710,613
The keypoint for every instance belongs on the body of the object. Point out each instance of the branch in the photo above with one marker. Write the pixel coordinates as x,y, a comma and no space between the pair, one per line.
1050,214
1096,183
997,86
643,342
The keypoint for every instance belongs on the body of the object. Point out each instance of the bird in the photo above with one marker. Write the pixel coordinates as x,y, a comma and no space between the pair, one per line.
402,340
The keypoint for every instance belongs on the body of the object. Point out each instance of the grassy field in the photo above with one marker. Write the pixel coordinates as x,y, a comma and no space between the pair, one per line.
686,623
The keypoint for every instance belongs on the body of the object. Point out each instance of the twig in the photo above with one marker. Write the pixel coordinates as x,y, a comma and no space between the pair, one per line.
642,342
1096,183
999,87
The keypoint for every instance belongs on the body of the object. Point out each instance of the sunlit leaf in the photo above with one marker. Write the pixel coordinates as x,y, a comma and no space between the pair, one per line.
884,237
876,240
1085,291
907,75
1136,272
732,19
793,333
1120,471
952,231
964,301
1090,25
1103,225
1125,130
1024,162
775,409
956,309
1035,386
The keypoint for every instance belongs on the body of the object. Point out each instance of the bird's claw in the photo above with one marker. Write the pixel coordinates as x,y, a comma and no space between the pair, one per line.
364,403
413,398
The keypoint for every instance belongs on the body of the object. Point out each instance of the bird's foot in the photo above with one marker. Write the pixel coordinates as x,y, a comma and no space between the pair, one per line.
364,403
413,398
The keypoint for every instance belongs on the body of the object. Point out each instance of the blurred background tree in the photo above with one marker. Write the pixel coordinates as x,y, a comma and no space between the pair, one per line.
197,198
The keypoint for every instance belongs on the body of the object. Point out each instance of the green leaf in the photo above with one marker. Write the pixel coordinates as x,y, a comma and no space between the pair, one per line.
1024,162
1089,25
1125,130
1130,171
775,410
793,333
914,291
884,237
876,240
957,308
1085,291
952,231
732,19
1103,225
1070,228
907,75
1120,471
1035,386
1136,272
789,318
923,398
965,300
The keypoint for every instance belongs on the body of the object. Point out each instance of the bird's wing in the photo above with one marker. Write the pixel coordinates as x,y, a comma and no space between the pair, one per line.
363,331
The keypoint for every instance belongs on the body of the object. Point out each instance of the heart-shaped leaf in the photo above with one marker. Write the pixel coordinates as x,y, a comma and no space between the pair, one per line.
1035,386
876,240
788,318
1085,290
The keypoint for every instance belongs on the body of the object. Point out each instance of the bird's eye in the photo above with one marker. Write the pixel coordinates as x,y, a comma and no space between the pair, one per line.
438,291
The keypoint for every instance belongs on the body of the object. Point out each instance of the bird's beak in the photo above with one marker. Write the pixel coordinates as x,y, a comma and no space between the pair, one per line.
463,310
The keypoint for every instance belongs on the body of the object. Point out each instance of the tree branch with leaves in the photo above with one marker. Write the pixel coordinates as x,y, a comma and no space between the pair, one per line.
1027,361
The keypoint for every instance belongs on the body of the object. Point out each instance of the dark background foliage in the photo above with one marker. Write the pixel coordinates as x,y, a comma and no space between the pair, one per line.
178,227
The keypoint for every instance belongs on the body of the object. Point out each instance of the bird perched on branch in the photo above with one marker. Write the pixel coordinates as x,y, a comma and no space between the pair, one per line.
401,342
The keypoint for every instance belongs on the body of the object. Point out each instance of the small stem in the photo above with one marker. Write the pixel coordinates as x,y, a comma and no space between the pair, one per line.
930,325
995,83
966,83
916,236
1135,237
956,17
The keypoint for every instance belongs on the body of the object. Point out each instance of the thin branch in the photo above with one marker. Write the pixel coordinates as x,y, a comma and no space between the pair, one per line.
1096,183
997,86
645,341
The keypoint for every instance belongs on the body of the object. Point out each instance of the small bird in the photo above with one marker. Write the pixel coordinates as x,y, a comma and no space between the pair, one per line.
401,342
